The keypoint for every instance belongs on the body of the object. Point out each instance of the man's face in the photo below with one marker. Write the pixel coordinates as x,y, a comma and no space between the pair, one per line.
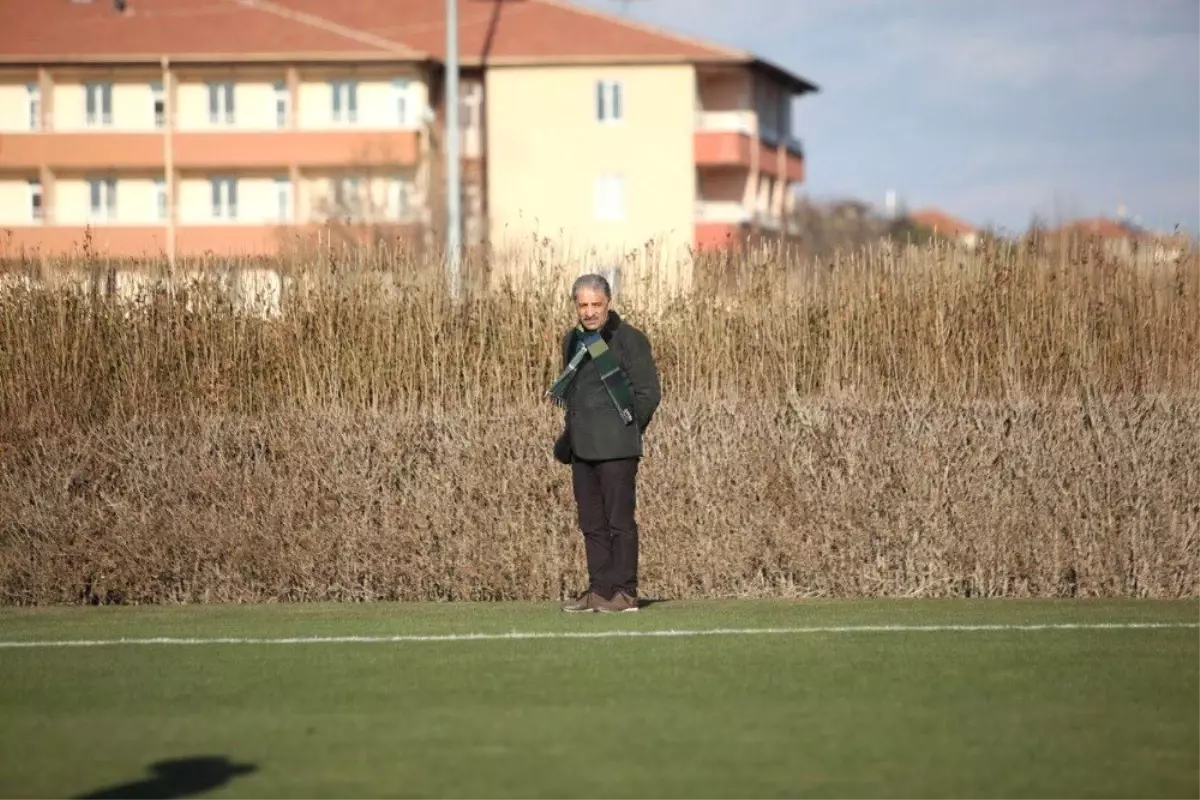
592,307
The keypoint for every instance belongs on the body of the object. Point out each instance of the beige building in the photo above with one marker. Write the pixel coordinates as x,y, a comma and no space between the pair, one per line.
181,127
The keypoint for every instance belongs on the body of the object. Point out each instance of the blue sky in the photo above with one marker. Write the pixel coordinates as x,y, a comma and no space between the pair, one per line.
992,111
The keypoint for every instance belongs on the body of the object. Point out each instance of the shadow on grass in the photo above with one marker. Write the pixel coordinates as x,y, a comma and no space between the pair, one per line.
179,777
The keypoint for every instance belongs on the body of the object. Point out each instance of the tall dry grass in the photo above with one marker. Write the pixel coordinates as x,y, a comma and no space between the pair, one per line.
915,422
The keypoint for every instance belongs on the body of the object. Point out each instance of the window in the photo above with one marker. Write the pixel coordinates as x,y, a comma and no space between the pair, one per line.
35,106
466,113
224,198
98,97
282,101
470,106
160,105
345,100
346,196
770,104
608,101
160,197
283,199
400,88
398,204
610,197
220,103
36,200
103,196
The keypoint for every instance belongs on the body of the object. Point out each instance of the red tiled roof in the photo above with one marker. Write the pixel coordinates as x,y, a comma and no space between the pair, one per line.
502,31
512,29
66,29
936,219
1100,226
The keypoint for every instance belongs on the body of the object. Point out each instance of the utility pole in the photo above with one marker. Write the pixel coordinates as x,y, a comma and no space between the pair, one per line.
168,160
453,163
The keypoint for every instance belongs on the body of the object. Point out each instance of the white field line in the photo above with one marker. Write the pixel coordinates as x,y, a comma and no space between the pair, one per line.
611,634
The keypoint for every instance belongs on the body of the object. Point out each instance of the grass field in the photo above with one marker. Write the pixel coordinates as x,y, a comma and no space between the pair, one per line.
746,698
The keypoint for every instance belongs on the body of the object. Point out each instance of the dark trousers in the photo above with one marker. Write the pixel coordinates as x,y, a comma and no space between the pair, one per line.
606,497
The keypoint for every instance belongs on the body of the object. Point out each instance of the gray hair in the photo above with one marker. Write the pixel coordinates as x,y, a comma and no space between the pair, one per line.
591,281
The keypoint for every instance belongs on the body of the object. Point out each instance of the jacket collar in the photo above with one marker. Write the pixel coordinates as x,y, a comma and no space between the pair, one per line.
608,328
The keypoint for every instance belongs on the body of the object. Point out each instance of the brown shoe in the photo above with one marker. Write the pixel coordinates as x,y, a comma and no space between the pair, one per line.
619,602
588,601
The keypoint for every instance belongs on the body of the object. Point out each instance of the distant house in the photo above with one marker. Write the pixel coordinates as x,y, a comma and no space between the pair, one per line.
944,225
1124,240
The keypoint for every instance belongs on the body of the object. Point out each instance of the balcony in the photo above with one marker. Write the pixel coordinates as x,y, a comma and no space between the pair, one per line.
81,150
734,139
139,149
470,142
323,148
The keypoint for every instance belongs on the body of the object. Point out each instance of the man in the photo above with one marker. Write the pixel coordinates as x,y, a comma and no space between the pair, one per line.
610,389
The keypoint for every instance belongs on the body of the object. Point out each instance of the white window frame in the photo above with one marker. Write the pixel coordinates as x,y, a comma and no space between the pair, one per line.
157,99
610,101
37,200
223,197
468,108
284,205
283,104
609,197
162,207
343,101
34,95
98,95
402,105
102,199
399,198
347,196
222,103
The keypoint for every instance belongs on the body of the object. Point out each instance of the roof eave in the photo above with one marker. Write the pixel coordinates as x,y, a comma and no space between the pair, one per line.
570,60
774,72
789,79
76,59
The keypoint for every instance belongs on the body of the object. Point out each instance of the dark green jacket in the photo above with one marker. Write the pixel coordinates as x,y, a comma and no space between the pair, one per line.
594,429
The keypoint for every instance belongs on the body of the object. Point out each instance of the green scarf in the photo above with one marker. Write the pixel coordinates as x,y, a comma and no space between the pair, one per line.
591,343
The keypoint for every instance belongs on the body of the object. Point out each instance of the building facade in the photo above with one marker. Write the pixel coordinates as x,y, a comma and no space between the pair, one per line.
181,127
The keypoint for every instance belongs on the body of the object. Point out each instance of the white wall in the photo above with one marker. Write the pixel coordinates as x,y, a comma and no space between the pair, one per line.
253,106
379,196
15,208
72,201
137,201
14,107
377,106
132,106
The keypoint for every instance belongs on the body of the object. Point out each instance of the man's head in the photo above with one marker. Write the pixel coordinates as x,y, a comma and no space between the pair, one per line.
592,295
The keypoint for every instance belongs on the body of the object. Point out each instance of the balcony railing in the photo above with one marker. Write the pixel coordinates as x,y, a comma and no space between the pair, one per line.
722,211
768,220
726,122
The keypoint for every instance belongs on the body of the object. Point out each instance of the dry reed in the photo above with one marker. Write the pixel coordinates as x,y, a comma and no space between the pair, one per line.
912,422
